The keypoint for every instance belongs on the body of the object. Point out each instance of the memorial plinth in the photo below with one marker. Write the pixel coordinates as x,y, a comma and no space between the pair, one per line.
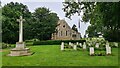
20,49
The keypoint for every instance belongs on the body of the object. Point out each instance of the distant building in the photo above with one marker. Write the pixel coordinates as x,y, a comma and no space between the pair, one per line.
64,32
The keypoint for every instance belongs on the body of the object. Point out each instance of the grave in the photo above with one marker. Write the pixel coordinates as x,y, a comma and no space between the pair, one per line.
97,45
84,46
116,44
91,50
80,44
108,50
75,47
62,46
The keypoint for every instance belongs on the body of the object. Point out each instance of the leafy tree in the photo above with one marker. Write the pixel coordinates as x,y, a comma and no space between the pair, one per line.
44,23
103,17
74,28
71,8
10,27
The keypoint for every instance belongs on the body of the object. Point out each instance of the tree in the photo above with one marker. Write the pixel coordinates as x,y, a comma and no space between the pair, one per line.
71,8
44,23
74,28
103,17
10,27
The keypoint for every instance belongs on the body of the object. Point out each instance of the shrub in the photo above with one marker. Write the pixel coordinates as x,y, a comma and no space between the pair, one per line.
3,45
56,42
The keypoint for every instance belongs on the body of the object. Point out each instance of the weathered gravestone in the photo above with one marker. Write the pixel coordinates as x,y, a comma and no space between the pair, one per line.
75,47
84,46
107,45
80,44
77,43
20,49
62,46
116,44
91,50
97,45
69,43
108,49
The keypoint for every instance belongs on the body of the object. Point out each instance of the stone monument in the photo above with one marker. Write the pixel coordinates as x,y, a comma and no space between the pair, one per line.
91,50
75,47
84,46
62,46
20,49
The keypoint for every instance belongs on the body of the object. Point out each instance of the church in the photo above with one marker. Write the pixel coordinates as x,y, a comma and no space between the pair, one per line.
65,32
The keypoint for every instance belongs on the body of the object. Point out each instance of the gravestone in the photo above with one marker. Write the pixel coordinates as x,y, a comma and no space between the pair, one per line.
62,46
84,46
77,43
107,45
20,49
108,50
75,47
71,44
97,45
116,44
80,44
91,50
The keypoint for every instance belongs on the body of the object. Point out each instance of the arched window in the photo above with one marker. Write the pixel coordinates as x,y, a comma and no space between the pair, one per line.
61,33
66,33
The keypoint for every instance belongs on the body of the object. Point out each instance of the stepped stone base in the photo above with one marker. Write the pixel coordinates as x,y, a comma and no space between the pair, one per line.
20,50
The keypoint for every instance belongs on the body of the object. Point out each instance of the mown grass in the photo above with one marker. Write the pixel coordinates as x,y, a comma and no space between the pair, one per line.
50,55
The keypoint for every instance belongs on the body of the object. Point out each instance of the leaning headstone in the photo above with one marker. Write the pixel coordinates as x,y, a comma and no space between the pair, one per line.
80,44
91,50
97,45
116,44
84,46
77,43
75,47
108,50
62,46
71,44
107,45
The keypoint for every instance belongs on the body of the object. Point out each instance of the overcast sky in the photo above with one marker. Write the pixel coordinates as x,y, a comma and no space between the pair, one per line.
54,7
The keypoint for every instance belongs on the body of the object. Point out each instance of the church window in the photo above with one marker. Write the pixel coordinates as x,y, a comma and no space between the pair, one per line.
66,33
64,26
61,33
74,35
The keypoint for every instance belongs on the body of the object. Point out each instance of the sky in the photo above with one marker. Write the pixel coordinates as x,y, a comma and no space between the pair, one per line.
55,7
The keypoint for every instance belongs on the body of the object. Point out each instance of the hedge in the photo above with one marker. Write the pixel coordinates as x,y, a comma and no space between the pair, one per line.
56,42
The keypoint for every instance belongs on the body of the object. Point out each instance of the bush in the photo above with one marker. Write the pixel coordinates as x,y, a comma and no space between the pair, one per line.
3,45
29,44
56,42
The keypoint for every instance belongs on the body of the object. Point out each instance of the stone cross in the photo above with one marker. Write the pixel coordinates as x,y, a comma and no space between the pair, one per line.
20,28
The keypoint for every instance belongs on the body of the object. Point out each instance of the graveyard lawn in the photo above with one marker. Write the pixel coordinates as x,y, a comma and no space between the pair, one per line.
51,55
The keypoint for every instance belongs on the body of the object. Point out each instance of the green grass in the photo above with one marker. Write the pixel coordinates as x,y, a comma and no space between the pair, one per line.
50,55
